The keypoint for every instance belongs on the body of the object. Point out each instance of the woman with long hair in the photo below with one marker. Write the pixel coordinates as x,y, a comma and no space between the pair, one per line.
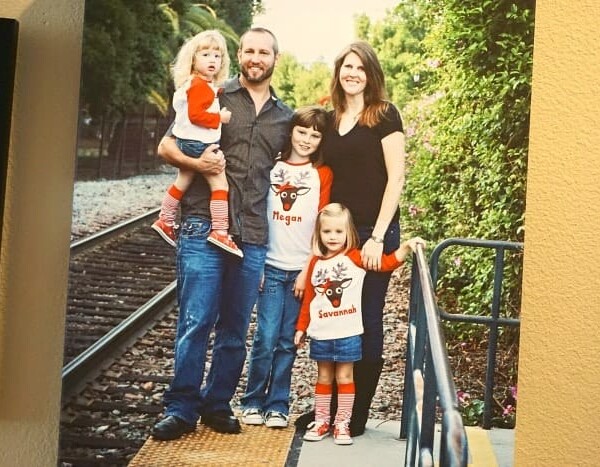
364,147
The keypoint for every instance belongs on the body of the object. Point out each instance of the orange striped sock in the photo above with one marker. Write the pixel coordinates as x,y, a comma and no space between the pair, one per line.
219,210
170,205
322,402
345,402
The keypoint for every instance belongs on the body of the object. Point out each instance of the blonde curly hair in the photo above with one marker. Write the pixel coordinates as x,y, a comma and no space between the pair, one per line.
183,65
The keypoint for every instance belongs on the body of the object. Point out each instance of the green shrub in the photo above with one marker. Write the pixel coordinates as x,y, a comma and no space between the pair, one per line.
467,140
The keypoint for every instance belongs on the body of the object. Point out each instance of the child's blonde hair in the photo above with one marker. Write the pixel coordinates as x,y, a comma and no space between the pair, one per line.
334,210
183,66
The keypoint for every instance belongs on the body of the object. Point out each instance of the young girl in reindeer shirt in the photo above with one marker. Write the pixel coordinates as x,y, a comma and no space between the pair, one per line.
300,186
331,315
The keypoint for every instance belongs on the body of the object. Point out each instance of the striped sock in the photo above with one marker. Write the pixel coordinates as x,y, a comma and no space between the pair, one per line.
322,402
345,402
219,210
170,205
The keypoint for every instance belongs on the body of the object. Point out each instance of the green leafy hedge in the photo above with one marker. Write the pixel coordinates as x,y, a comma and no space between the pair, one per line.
467,140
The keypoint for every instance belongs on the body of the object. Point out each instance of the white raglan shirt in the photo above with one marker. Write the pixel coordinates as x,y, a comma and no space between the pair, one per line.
297,192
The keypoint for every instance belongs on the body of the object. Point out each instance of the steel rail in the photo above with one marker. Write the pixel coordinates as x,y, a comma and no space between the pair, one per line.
92,358
104,235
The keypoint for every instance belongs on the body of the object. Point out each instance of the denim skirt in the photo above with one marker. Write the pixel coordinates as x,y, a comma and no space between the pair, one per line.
346,349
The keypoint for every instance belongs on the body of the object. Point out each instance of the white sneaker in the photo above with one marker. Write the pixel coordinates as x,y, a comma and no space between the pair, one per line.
252,417
276,420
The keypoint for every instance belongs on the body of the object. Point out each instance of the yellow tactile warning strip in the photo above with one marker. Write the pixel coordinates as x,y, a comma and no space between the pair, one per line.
255,445
480,448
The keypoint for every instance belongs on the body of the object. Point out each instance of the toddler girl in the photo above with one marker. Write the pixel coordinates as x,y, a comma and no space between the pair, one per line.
331,315
202,63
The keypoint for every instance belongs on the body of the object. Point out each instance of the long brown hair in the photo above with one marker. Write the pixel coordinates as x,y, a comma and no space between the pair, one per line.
374,94
310,116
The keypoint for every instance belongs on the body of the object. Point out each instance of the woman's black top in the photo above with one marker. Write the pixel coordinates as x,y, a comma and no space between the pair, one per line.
359,173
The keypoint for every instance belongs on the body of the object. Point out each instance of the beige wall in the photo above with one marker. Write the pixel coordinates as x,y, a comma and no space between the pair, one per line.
559,366
559,372
36,231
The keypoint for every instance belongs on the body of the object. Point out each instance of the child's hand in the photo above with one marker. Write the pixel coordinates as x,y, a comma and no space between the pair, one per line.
413,242
225,115
408,246
299,284
299,339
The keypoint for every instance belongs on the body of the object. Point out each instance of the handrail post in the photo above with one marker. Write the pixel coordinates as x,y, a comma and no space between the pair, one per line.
408,397
493,340
494,321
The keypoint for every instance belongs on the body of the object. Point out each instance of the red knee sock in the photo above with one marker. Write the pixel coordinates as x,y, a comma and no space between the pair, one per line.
219,210
170,204
345,402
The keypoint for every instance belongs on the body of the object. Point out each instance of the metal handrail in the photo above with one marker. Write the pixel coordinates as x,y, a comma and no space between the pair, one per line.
428,378
494,321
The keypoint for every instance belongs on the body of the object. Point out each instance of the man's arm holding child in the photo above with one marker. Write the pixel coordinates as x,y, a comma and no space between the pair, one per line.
210,162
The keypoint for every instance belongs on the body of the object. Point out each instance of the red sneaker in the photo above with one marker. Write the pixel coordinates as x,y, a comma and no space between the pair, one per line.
317,430
341,434
225,242
165,231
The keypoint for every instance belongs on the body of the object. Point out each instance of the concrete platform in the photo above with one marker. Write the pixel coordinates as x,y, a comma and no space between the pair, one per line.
380,447
259,445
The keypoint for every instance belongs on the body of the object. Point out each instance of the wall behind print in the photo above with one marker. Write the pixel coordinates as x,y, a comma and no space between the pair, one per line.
559,364
558,383
36,228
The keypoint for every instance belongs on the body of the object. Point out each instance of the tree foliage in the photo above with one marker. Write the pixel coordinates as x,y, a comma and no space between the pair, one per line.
468,138
398,41
238,14
124,54
128,46
297,84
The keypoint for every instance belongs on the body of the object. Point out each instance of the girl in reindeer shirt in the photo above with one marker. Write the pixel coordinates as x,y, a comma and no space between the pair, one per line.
300,186
331,315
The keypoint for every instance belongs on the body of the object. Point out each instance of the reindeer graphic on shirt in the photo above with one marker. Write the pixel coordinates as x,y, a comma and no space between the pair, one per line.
287,190
332,286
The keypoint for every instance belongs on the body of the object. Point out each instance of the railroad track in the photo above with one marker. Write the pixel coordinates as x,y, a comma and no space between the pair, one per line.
121,291
110,419
111,275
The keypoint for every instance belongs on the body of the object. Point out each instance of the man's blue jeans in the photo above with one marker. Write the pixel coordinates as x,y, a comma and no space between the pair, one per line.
273,350
217,290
